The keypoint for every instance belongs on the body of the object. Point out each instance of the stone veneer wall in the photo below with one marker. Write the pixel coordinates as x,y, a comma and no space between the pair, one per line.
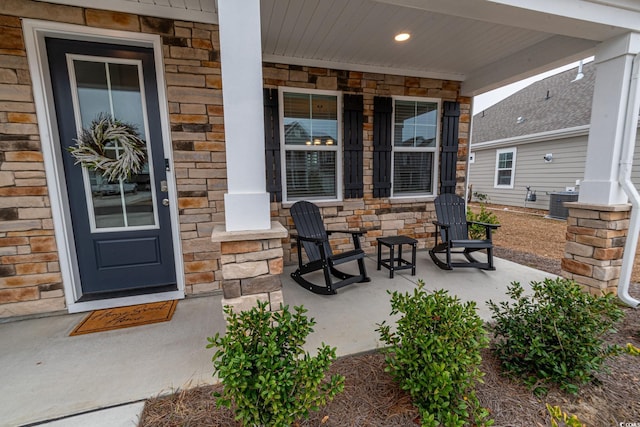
252,266
379,216
30,280
596,235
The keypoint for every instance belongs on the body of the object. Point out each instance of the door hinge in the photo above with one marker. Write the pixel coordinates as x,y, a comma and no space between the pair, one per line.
166,165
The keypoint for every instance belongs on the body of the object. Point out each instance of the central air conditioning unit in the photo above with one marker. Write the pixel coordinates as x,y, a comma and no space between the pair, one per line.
556,203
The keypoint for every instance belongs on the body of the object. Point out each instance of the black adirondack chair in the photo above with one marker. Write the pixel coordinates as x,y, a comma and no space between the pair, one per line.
453,228
314,238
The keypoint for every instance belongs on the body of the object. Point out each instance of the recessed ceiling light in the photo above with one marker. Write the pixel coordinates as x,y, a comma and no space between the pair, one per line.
402,37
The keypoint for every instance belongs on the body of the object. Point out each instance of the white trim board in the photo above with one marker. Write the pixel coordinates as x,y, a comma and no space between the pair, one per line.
206,13
34,33
374,69
534,137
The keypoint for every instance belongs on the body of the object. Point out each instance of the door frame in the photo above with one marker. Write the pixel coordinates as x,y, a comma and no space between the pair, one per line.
35,32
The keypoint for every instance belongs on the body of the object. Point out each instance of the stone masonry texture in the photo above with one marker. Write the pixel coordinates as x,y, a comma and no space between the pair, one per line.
379,217
595,245
30,279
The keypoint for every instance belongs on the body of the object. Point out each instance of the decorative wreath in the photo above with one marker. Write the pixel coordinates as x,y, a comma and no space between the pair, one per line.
104,132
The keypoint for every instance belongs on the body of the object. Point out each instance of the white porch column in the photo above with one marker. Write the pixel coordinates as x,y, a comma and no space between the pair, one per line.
247,202
614,61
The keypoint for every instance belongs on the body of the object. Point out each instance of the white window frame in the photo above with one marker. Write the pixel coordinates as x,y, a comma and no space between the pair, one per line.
337,147
435,149
513,167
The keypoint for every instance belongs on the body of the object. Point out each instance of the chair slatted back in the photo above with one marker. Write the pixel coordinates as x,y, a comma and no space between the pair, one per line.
308,221
451,210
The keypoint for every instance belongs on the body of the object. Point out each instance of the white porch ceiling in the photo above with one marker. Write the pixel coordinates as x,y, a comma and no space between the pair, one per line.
483,43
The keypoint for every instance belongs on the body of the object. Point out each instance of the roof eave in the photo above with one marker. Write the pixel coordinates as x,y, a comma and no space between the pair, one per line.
534,137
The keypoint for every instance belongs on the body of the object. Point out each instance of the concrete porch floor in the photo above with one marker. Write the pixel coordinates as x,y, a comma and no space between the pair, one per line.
48,375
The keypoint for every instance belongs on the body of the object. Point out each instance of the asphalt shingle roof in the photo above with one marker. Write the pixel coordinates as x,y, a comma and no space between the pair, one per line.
550,104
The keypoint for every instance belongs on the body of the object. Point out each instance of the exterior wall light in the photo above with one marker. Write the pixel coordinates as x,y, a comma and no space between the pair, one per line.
402,37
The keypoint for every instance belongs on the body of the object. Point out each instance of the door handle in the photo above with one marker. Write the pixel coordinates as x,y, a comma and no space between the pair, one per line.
163,186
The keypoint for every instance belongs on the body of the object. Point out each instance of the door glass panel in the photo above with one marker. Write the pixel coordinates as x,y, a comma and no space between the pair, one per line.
93,93
125,92
105,87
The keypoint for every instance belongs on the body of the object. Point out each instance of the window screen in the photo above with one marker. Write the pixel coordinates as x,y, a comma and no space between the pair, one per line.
415,142
311,145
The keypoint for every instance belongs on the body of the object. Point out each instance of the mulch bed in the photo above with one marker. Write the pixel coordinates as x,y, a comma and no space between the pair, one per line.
372,398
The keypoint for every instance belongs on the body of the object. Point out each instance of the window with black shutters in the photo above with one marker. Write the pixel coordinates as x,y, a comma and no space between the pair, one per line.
311,144
415,147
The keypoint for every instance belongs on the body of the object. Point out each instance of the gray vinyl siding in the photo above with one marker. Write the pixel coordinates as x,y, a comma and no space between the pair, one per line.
569,157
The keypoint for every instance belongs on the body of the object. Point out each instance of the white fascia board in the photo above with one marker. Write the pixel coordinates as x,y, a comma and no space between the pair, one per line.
204,15
622,14
362,67
544,56
534,137
631,5
594,20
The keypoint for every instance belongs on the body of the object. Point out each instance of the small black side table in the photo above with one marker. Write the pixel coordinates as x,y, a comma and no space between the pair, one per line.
394,263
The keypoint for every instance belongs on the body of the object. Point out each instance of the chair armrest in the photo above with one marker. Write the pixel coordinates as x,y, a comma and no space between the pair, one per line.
307,239
355,236
440,227
484,224
439,224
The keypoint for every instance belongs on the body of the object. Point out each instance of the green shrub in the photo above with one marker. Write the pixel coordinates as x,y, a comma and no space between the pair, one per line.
434,354
478,231
555,335
264,370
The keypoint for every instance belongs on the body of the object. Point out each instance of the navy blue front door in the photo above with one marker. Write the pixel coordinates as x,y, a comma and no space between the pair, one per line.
121,228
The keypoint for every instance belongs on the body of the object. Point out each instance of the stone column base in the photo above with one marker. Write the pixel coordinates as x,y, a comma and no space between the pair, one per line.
252,262
596,236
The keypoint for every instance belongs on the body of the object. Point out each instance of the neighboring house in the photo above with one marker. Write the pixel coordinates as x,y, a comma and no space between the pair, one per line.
246,107
536,140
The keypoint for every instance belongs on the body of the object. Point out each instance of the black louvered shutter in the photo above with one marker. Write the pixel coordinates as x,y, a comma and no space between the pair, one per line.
449,156
272,144
353,117
382,125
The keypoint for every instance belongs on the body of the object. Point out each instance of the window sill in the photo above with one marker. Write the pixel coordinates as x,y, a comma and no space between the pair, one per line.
319,203
392,200
417,199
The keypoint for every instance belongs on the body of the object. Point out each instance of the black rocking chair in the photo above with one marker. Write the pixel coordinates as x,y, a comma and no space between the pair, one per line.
314,238
453,228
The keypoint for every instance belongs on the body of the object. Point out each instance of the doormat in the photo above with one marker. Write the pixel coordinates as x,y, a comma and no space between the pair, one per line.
126,317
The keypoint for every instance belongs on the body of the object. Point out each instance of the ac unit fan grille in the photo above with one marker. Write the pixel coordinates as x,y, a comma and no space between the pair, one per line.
556,203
